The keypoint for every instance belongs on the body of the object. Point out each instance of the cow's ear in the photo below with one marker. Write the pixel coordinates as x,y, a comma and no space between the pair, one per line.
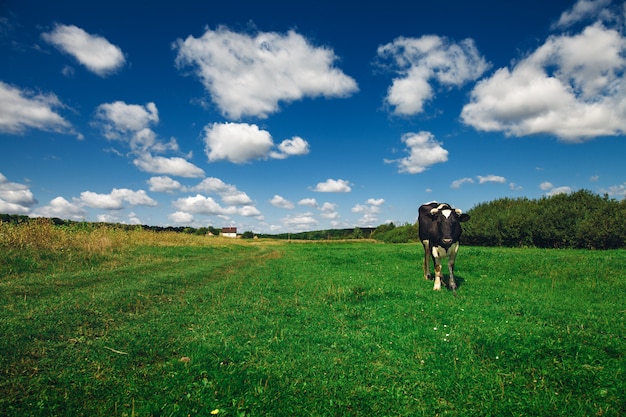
464,217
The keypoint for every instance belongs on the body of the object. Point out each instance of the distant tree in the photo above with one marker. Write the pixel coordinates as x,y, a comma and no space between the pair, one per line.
357,233
247,235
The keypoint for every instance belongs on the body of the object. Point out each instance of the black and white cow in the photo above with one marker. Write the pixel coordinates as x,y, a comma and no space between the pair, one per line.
440,230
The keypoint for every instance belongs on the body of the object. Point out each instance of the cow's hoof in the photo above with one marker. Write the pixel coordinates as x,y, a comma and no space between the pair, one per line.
427,277
437,288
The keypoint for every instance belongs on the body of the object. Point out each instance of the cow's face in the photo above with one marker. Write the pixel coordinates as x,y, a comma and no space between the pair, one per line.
448,225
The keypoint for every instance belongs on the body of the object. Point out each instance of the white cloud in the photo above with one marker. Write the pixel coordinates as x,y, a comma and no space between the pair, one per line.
280,201
571,87
311,202
616,191
300,221
23,109
242,142
583,9
236,142
164,185
559,190
458,183
430,58
131,123
546,185
92,51
369,211
423,151
200,204
15,198
229,193
115,200
237,198
376,201
121,119
171,166
333,186
248,75
552,190
250,211
491,178
291,147
63,209
180,217
329,211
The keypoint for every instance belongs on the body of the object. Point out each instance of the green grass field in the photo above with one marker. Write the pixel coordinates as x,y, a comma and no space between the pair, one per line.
261,328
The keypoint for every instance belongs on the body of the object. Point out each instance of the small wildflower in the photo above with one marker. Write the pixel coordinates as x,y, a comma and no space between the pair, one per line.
434,328
215,412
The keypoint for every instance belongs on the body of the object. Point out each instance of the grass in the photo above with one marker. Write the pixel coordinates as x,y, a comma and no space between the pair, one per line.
144,324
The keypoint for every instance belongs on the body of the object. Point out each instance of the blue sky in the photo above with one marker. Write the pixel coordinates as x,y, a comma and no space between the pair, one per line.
287,116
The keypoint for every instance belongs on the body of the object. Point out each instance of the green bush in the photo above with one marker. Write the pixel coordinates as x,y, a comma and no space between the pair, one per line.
579,220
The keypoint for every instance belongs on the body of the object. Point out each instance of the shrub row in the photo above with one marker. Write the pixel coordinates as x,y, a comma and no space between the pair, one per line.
577,220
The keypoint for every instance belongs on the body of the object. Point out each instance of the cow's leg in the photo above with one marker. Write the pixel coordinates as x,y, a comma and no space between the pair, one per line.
426,259
451,259
438,276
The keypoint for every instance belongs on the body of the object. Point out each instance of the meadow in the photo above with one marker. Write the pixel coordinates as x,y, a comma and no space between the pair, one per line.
96,321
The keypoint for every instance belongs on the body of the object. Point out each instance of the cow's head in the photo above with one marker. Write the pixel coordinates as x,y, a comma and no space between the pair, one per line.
448,222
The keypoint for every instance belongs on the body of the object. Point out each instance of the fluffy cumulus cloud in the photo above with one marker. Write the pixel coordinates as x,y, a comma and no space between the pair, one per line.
63,209
551,190
329,211
423,151
249,74
559,190
164,184
333,186
291,147
572,86
236,142
15,198
369,211
116,199
23,109
132,124
200,204
616,191
282,202
235,202
181,217
242,142
302,221
426,61
310,202
229,193
174,165
96,53
120,119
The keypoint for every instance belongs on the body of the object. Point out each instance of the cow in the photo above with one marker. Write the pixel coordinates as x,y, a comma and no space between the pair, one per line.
440,230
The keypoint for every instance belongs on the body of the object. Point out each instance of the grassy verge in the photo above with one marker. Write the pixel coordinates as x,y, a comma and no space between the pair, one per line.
258,328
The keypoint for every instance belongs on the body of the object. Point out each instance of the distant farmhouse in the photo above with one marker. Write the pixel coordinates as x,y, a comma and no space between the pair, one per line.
229,231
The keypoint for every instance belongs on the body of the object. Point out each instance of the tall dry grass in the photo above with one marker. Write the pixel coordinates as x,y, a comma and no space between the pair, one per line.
43,235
